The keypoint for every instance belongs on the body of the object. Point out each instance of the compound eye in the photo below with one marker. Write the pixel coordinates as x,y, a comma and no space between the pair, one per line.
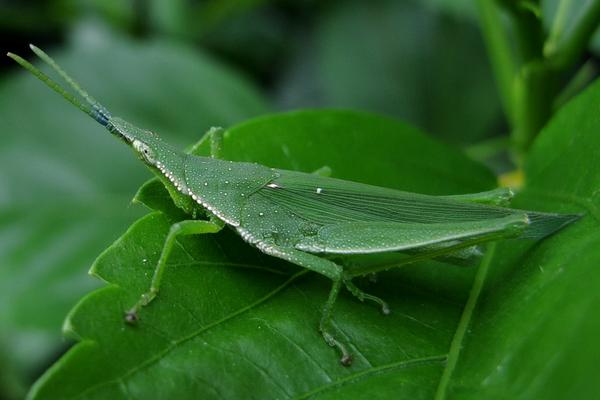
148,155
144,150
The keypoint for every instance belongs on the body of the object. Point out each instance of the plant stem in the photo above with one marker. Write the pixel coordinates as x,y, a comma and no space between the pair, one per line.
558,26
533,82
500,52
563,52
535,90
527,73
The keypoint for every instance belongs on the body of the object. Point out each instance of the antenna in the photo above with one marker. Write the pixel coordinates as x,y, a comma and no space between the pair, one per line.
96,111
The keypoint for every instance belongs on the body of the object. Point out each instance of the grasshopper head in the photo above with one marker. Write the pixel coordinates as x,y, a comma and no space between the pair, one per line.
151,149
146,143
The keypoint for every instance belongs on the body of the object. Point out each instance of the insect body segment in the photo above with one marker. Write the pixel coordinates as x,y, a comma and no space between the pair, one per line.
307,219
224,187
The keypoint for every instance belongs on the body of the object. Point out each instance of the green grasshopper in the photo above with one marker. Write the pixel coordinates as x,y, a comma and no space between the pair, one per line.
316,222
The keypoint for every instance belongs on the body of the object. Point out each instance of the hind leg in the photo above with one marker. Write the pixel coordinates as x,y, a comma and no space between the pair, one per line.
324,267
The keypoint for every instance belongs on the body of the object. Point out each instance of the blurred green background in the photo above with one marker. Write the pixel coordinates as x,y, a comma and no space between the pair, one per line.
180,67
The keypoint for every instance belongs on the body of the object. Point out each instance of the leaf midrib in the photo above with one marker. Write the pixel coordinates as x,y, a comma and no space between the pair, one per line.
415,362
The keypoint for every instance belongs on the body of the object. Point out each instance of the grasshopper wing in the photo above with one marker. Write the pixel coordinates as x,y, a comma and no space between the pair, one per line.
328,201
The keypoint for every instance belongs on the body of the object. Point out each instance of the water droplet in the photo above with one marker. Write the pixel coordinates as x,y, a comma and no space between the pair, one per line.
205,183
261,214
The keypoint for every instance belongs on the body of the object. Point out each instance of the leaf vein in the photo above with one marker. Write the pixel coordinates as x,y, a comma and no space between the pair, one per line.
296,346
416,362
258,368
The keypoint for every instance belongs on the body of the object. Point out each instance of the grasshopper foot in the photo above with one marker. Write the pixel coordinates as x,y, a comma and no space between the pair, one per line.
131,316
346,358
362,296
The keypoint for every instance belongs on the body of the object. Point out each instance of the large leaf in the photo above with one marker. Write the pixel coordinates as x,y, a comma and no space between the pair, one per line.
534,326
231,322
398,58
65,183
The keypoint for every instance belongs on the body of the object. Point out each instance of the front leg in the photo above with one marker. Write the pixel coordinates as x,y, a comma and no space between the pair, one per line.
216,141
188,227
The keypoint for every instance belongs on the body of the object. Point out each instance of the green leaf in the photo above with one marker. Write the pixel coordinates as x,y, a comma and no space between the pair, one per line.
533,332
466,9
65,183
231,322
399,58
